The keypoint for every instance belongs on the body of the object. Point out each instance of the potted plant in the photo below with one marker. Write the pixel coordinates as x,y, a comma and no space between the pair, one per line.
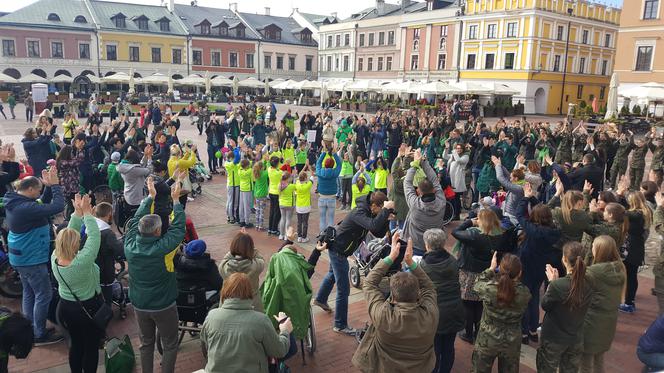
489,110
362,106
636,110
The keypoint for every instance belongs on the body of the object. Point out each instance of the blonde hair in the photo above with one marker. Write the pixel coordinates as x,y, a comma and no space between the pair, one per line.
67,244
175,150
488,221
570,199
637,202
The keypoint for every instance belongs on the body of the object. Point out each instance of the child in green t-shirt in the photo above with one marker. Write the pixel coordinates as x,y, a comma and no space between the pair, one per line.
286,203
303,204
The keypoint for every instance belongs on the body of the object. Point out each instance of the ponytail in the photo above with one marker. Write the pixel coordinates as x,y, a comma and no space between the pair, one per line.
509,271
573,252
569,200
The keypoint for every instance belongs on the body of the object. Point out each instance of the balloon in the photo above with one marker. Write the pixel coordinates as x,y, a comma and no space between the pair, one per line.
218,154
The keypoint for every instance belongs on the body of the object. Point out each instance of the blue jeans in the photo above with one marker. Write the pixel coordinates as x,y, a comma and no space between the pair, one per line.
443,344
37,294
326,206
653,360
338,273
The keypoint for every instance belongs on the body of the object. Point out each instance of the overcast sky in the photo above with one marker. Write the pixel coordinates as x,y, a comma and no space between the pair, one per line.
278,7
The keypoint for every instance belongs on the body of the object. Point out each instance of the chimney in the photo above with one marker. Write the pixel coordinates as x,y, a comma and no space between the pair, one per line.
267,10
380,7
405,4
171,5
232,6
334,15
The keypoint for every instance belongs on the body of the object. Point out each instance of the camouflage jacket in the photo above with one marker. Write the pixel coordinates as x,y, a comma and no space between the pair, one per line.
639,157
658,268
564,150
657,162
578,147
624,147
500,328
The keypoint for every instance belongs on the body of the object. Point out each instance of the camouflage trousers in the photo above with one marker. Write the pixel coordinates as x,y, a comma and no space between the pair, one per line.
551,356
618,169
635,177
483,362
659,291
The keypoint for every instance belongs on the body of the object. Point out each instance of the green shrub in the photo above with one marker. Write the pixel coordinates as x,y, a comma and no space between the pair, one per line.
636,110
624,111
583,104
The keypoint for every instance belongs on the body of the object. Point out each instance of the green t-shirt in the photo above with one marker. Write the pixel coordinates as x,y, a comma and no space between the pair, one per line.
245,176
289,154
260,185
274,176
286,196
300,157
303,193
346,169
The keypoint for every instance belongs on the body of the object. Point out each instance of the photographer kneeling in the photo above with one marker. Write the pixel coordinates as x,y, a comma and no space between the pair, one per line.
370,215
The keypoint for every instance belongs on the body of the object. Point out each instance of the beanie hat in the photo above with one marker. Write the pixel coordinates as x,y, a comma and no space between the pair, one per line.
115,157
195,248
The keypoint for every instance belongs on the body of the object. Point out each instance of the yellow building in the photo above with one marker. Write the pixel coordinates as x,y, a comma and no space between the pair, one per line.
146,38
523,43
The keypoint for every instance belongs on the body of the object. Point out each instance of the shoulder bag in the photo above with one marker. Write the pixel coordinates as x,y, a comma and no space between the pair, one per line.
104,314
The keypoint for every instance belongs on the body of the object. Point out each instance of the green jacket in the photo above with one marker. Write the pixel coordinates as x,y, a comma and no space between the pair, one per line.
396,193
487,180
240,340
343,132
11,101
639,157
287,289
599,325
657,161
115,181
500,328
152,283
562,324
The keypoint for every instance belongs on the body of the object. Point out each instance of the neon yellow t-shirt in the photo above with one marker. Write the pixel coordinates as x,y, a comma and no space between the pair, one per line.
303,193
289,154
357,193
246,177
274,178
381,179
232,178
286,196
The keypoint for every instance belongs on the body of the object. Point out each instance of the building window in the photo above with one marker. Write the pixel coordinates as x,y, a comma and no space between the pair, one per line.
380,63
232,59
509,61
9,49
111,52
120,22
204,28
142,24
309,63
346,63
329,63
416,33
360,64
80,19
489,60
33,48
561,30
84,51
53,17
472,32
134,54
346,40
291,63
370,64
280,62
416,44
56,50
215,58
582,65
605,67
371,39
414,62
338,41
442,61
643,58
388,63
579,91
176,56
156,55
443,43
241,33
197,57
267,61
491,31
443,30
511,30
381,38
361,40
607,40
164,26
556,63
602,92
329,41
650,9
584,37
249,60
470,64
390,38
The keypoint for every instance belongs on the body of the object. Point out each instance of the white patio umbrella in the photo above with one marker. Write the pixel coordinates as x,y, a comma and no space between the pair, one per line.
503,89
192,80
170,83
438,88
155,79
93,79
236,86
612,101
650,91
32,78
221,81
250,82
275,82
4,78
288,84
471,88
309,85
116,78
132,83
363,86
336,86
62,78
208,84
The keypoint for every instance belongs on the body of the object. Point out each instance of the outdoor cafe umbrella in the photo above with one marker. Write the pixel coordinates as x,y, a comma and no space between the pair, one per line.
288,84
62,78
155,79
221,81
132,83
650,91
93,79
438,88
308,85
336,86
250,82
236,86
4,78
192,80
208,84
612,102
273,83
32,78
116,78
363,86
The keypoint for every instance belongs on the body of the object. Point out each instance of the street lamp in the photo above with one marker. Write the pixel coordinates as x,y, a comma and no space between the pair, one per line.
570,11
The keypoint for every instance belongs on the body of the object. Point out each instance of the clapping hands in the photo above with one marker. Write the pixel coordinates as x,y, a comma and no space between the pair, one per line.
82,205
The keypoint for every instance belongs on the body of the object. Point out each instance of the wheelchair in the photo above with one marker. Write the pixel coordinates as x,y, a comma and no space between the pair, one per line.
193,306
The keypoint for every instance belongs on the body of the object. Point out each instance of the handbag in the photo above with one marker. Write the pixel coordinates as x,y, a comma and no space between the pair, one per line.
104,313
449,192
119,355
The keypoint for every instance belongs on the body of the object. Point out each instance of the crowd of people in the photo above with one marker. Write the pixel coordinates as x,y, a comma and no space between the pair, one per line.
559,220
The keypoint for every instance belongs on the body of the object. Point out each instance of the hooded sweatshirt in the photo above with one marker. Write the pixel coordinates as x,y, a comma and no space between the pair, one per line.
251,267
134,176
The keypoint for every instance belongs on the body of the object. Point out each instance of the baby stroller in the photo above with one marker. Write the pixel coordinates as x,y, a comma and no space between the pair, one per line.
196,178
368,254
120,290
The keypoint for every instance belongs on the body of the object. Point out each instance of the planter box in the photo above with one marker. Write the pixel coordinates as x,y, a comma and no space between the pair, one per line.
362,107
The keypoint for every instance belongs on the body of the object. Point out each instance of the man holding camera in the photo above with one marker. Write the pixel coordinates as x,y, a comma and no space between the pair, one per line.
370,215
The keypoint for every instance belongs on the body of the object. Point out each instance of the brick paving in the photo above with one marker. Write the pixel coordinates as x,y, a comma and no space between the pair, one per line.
334,351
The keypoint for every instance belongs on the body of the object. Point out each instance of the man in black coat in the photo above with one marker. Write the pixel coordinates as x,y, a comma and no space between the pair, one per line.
590,172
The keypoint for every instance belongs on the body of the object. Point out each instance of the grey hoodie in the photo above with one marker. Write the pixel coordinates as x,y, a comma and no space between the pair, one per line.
251,267
134,176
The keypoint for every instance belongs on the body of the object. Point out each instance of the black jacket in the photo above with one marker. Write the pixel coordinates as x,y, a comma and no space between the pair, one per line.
442,269
199,272
592,173
109,249
353,229
476,248
163,205
10,173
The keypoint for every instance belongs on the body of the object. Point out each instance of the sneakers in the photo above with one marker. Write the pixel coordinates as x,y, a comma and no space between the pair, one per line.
347,331
323,306
282,237
190,199
304,240
299,239
49,338
248,225
627,308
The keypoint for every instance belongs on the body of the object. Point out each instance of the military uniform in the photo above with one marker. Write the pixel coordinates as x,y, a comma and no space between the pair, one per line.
578,147
658,268
500,330
564,149
657,161
619,167
637,166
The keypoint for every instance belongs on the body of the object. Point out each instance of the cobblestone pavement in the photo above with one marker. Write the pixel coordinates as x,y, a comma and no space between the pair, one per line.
334,351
